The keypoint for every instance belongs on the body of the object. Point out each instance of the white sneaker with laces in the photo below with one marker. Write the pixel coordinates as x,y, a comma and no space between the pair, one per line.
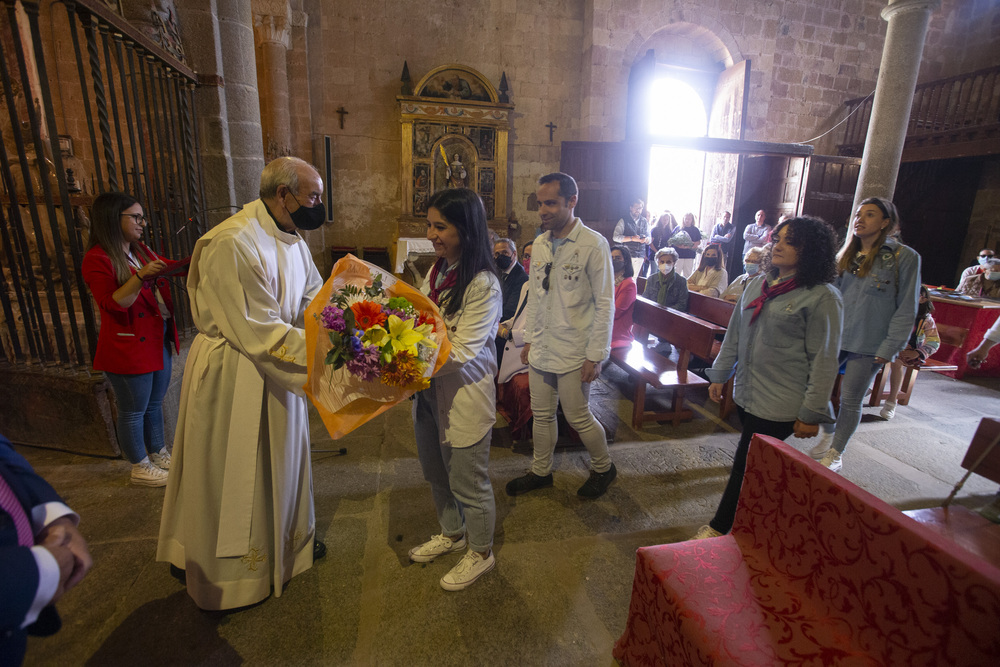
832,460
438,545
471,567
145,473
821,448
705,532
888,411
161,459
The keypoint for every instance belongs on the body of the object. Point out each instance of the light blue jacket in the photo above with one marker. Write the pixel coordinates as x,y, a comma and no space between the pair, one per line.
787,359
879,309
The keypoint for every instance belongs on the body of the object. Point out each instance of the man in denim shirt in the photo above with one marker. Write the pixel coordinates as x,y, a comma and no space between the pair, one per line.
569,313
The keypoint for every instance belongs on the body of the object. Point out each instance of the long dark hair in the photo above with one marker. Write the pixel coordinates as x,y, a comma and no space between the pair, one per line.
816,244
718,254
463,208
106,231
628,271
852,244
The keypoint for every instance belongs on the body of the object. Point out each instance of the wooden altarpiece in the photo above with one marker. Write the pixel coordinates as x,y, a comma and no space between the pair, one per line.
454,134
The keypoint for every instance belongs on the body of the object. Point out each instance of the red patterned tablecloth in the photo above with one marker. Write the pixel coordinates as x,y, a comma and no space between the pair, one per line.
977,317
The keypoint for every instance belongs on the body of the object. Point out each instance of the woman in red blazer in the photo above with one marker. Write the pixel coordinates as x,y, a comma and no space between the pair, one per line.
138,335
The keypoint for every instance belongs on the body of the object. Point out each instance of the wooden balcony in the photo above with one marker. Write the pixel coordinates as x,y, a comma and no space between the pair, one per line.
954,117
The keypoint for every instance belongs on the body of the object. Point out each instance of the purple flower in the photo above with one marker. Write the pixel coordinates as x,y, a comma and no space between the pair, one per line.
333,319
398,313
365,364
355,344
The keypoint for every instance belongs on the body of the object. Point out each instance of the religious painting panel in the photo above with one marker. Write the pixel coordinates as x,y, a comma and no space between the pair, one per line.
490,207
425,135
483,138
486,181
421,185
454,164
456,84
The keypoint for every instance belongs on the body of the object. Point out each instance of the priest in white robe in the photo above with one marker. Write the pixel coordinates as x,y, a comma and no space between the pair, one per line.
238,515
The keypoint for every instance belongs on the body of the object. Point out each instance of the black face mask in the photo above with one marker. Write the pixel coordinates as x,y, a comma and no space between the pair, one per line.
308,218
711,261
618,264
503,262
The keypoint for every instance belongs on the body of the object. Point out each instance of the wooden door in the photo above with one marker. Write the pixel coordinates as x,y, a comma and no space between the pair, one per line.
772,183
830,188
608,175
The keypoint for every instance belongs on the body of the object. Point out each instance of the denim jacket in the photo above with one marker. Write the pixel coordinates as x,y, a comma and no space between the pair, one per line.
879,309
786,361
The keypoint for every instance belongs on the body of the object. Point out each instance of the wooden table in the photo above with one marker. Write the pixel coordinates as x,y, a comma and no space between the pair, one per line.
963,527
977,316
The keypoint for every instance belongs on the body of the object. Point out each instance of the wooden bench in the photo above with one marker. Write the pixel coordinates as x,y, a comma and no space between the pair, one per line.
688,334
815,571
719,312
950,335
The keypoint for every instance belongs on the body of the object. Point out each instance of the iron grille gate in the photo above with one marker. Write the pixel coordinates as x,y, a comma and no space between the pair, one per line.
119,117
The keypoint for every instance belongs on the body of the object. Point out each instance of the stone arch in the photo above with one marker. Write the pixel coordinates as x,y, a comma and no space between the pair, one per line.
692,24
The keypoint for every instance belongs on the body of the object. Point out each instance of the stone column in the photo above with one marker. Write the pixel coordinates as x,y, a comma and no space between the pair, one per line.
300,113
897,79
227,112
272,21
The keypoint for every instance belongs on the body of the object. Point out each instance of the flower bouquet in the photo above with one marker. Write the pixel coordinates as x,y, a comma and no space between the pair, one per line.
372,341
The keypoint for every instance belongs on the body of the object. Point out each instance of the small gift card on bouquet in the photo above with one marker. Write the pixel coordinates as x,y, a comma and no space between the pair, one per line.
372,341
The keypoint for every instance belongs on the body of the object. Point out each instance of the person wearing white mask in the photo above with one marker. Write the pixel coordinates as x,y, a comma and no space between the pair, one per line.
985,255
751,269
985,283
667,287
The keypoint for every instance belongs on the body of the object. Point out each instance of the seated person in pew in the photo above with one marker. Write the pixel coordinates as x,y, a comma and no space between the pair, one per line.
924,341
710,278
513,396
985,255
984,283
782,343
975,360
625,291
666,287
751,268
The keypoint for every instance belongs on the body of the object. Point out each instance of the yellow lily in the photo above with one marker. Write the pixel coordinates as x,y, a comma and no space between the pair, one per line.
402,336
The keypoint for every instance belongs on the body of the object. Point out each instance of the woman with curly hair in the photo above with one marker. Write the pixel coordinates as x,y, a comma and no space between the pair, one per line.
453,418
880,283
782,344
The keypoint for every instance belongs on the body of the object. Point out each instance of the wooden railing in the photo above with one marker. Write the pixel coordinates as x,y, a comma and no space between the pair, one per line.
960,108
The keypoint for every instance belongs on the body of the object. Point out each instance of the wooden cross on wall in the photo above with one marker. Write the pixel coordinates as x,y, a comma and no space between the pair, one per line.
341,111
551,130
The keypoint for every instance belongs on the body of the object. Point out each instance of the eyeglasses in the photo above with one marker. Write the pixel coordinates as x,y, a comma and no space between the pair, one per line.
545,280
139,218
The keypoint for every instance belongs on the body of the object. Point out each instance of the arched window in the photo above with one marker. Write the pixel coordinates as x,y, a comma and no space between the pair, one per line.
675,109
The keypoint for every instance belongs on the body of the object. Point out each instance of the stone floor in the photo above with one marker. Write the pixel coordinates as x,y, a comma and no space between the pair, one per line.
560,591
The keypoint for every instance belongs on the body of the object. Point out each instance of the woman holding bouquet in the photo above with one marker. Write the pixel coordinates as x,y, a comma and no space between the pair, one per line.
453,418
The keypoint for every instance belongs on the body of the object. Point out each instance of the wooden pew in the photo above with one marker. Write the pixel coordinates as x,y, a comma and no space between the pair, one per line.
688,334
950,335
716,311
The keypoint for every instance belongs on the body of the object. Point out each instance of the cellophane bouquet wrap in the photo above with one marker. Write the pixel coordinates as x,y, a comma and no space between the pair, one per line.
372,341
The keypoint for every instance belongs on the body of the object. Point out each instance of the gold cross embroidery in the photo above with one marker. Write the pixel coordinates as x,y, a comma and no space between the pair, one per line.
254,557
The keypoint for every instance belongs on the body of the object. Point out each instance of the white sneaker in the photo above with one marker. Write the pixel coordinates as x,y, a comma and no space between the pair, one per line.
438,545
145,473
821,448
471,567
888,411
161,459
705,532
832,460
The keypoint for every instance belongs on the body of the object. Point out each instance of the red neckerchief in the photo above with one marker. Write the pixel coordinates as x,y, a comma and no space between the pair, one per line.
768,292
449,280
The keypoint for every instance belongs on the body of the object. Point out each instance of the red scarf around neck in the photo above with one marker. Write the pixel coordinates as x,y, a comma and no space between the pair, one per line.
769,292
449,280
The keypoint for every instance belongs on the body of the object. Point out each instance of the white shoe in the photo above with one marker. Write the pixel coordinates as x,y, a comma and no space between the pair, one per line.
888,411
438,545
471,567
705,532
161,459
145,473
823,446
832,460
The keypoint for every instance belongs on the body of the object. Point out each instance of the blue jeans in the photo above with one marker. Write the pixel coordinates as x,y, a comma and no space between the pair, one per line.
140,409
859,372
459,478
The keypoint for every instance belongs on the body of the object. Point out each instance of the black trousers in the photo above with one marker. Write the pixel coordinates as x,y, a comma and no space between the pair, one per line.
724,515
